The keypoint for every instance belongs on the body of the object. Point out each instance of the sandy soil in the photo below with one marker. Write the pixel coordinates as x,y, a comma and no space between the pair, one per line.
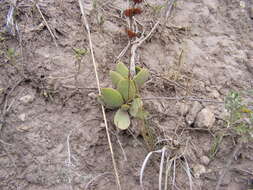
52,131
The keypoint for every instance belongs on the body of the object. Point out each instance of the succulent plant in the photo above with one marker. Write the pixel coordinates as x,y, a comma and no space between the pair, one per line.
125,97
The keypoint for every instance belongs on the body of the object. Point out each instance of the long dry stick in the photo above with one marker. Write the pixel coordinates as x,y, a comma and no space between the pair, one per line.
189,98
98,86
48,27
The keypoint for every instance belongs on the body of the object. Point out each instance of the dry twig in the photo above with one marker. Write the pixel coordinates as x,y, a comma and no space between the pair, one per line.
85,21
48,27
137,44
189,98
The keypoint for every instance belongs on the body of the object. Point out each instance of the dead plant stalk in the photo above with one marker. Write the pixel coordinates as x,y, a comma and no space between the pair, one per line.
48,27
85,21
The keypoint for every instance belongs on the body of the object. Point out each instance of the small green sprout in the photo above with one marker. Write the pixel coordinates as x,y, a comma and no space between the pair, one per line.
79,52
11,54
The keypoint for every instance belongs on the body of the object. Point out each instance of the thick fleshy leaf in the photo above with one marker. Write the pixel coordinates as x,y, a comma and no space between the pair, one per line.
127,89
136,106
116,77
122,69
122,119
141,77
111,98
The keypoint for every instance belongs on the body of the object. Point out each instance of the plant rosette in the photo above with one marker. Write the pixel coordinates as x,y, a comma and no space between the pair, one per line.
125,97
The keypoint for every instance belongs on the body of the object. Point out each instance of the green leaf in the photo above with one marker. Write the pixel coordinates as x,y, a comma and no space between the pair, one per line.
79,51
136,106
127,89
122,119
125,107
116,77
141,77
122,69
111,98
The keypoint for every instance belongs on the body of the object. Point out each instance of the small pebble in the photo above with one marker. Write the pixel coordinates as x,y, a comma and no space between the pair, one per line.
205,160
92,95
27,99
22,117
198,169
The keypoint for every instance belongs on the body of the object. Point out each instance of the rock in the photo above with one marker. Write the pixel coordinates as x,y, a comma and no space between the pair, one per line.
205,118
102,125
191,116
92,95
22,117
204,160
198,169
27,99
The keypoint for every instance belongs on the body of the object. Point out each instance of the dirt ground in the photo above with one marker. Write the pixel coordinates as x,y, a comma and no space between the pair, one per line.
52,131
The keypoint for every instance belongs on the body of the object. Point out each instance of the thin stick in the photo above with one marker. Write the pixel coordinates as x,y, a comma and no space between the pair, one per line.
174,173
161,167
188,172
122,53
48,27
69,152
190,98
98,86
145,163
136,45
170,81
167,173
